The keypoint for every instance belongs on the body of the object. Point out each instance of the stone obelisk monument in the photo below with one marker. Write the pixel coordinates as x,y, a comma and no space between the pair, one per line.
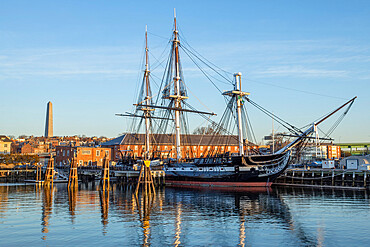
49,120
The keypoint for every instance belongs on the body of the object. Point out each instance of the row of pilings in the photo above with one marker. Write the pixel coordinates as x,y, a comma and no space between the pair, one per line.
325,178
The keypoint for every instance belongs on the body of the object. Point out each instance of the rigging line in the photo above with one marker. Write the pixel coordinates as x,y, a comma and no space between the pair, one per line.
230,81
327,114
159,36
203,72
183,38
163,78
162,55
153,80
203,115
276,118
216,124
293,89
226,79
250,124
161,130
197,97
155,66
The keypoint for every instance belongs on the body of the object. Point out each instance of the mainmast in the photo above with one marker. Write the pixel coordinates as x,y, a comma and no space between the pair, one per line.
238,95
177,94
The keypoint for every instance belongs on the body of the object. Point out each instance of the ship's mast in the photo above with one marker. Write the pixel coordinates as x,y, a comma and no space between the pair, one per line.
237,87
238,95
177,95
147,109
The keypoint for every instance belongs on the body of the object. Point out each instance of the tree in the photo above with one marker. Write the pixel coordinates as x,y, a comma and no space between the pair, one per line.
208,130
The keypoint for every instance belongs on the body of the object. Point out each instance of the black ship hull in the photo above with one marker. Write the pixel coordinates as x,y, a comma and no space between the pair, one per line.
248,171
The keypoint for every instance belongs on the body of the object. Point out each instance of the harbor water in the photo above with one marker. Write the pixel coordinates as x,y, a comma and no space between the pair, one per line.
37,216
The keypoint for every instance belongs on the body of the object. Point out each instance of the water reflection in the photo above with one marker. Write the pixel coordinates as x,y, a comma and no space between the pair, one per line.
249,206
47,208
3,200
178,225
184,217
72,198
104,208
144,203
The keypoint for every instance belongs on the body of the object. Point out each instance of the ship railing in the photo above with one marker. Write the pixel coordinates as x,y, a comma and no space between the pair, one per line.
277,160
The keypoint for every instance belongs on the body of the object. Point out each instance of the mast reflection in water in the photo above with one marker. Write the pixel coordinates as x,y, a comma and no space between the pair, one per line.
179,217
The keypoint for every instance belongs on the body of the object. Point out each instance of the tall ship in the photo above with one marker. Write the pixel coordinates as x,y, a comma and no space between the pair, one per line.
164,116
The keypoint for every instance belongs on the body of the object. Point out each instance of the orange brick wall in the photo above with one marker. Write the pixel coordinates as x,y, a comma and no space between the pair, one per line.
187,151
85,155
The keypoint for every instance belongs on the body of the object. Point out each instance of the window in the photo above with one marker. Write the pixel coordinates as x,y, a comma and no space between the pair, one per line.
64,152
229,149
86,152
80,162
107,153
187,148
67,152
135,147
195,148
128,147
5,145
97,152
236,148
165,147
201,148
209,148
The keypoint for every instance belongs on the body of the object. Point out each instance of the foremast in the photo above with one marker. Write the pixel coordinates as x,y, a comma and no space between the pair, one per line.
147,99
237,94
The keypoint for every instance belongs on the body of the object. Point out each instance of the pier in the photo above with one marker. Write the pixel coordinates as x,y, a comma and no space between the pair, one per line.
121,177
324,178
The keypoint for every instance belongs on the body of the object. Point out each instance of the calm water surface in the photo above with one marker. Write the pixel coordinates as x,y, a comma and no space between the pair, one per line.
178,217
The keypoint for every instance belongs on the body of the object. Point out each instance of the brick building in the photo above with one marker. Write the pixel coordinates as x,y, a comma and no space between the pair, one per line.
163,146
86,156
333,152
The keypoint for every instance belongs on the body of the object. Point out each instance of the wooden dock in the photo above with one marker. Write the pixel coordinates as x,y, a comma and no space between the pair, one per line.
124,177
325,178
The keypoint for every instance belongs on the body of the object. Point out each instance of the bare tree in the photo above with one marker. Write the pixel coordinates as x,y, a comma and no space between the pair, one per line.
208,130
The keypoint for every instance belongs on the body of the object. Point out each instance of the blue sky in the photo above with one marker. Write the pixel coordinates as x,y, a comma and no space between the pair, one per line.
85,57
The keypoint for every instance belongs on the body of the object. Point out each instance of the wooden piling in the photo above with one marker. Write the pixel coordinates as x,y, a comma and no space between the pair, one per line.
145,178
49,175
104,181
73,177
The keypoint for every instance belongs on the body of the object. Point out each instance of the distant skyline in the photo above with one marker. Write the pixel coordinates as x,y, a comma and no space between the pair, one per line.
299,59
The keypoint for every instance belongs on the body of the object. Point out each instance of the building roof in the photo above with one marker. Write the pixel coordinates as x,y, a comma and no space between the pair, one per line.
115,141
4,138
167,139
